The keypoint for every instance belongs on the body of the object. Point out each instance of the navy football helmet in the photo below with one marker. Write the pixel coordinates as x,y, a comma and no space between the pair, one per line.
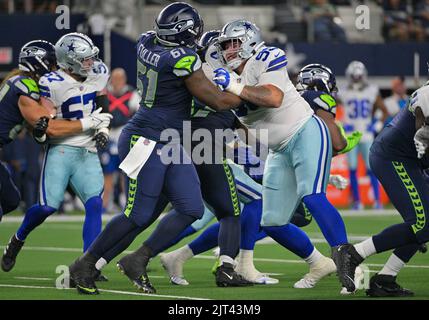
179,24
38,57
317,77
206,40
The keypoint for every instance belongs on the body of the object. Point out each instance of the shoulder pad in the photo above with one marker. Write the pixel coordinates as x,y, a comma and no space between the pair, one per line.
27,87
326,102
185,61
273,58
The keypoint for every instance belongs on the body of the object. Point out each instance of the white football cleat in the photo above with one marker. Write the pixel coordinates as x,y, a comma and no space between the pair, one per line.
359,276
322,268
174,268
250,273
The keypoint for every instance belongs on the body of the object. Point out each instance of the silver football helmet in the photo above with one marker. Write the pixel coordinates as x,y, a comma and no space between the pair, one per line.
356,72
245,39
74,53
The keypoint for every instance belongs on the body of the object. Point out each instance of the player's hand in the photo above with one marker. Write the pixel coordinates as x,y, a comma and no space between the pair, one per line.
96,120
421,141
338,181
101,138
39,129
227,81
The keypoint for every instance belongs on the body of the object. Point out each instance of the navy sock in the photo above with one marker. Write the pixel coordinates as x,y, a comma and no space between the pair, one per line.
395,236
354,186
375,185
168,229
185,233
229,236
292,238
33,218
92,224
405,253
250,224
113,233
328,218
207,240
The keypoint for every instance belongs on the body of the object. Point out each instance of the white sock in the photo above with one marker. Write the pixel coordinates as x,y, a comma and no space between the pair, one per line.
365,248
245,260
392,266
100,264
184,253
226,259
313,257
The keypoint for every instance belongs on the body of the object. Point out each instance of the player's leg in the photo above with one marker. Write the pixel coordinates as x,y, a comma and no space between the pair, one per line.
53,182
143,197
364,149
409,193
302,216
89,169
9,193
280,201
352,160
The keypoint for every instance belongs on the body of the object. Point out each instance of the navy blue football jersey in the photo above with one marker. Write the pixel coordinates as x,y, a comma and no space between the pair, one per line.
11,120
396,140
320,100
207,118
166,102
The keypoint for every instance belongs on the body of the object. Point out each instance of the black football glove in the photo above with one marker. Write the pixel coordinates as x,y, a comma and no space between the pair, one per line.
39,130
101,140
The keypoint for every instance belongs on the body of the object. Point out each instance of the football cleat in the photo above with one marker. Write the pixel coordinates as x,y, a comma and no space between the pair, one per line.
346,259
227,277
133,266
174,268
10,253
250,273
82,277
382,285
322,268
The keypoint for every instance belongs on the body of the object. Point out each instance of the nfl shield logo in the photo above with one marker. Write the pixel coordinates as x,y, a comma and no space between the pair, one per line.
146,142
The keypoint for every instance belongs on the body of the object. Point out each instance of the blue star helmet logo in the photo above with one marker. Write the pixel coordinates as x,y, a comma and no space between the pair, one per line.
71,47
247,26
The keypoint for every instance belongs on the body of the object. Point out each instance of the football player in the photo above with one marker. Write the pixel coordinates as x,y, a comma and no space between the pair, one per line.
297,168
20,105
169,73
72,92
364,111
398,157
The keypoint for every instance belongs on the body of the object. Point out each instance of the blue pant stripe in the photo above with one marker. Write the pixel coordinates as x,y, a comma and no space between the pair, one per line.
328,142
318,182
247,191
42,190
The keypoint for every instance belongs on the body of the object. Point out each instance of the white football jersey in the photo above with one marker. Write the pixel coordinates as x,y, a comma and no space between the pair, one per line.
358,108
420,98
74,100
268,66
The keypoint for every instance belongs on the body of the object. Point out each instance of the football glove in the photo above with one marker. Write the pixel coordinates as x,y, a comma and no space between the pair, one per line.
96,120
421,141
338,181
227,81
101,138
39,130
351,139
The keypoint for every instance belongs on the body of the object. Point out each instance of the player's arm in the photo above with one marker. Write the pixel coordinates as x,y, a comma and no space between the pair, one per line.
266,96
339,142
379,105
205,91
419,106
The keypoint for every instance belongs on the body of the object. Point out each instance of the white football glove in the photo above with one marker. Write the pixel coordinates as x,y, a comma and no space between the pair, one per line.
96,120
421,141
338,181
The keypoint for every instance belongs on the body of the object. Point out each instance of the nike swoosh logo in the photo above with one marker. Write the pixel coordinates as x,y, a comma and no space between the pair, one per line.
227,275
276,55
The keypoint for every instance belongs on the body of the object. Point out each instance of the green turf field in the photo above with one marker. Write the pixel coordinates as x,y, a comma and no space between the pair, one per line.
59,243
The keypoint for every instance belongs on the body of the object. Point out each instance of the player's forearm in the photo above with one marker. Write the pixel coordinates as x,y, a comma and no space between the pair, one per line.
262,96
226,101
60,128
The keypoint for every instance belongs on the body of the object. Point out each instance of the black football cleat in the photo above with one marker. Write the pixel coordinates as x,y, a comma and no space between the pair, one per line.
346,259
382,285
134,267
82,277
423,248
227,277
10,253
98,277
